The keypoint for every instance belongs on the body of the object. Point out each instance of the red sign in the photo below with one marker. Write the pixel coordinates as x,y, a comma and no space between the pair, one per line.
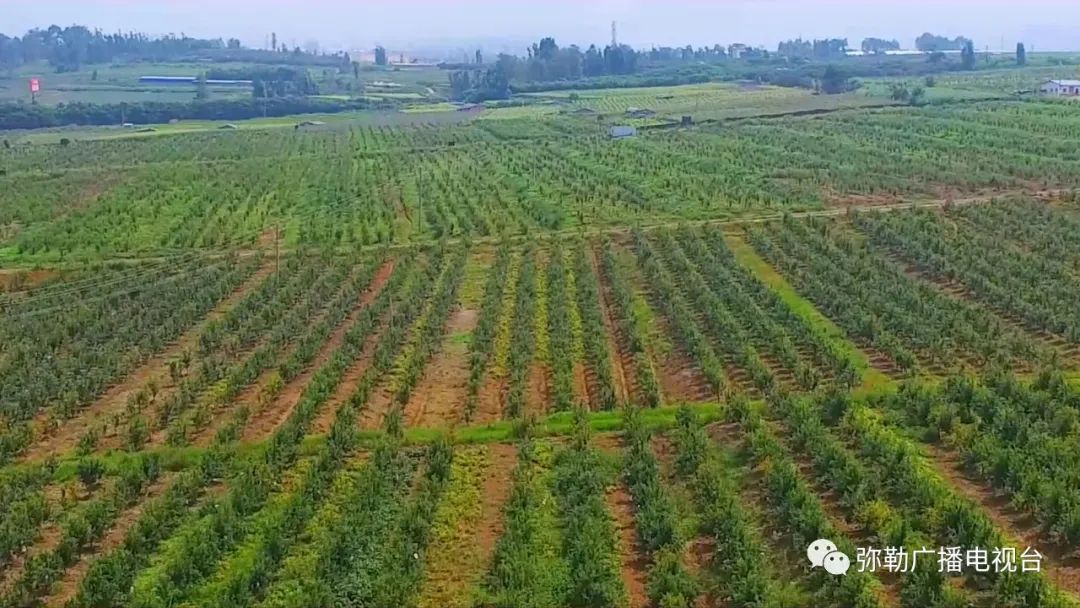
35,85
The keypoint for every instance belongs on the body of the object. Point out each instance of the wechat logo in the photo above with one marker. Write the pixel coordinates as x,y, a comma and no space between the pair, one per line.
822,553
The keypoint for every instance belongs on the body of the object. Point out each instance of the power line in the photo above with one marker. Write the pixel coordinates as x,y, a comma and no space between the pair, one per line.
65,289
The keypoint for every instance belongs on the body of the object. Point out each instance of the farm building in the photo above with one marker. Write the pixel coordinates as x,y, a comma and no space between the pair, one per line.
639,112
1061,87
621,132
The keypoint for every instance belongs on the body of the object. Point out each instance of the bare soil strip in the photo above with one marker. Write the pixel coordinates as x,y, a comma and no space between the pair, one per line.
538,398
618,355
115,398
581,385
439,397
634,561
378,406
489,402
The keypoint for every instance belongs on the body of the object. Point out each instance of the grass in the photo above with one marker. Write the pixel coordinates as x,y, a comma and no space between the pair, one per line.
710,101
553,425
452,534
872,379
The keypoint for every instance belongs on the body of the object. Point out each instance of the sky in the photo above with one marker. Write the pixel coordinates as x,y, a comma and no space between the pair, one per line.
404,24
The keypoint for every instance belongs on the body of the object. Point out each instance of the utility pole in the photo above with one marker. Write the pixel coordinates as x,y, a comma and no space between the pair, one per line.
419,199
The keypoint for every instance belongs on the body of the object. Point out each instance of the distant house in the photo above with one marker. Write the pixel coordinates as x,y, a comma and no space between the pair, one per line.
622,132
639,112
1061,87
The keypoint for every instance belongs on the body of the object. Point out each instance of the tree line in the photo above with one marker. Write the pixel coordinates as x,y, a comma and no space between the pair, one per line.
35,116
545,61
68,49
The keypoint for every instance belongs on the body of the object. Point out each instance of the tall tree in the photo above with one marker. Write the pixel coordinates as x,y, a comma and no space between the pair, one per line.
1021,54
201,90
967,56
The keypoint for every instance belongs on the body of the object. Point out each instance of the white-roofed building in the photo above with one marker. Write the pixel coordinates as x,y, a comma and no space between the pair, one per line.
1061,87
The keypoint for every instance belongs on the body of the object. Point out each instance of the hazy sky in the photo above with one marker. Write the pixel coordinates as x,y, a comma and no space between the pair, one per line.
345,24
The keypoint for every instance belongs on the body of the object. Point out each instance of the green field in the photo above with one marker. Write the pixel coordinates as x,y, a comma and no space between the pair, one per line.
432,358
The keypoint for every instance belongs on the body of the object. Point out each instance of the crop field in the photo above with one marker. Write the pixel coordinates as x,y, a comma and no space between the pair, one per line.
513,363
374,185
713,101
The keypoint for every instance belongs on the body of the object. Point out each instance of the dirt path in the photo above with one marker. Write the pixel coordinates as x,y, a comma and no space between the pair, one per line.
378,406
581,385
634,562
263,423
1060,565
680,378
439,398
68,585
495,492
489,401
619,356
115,398
538,397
